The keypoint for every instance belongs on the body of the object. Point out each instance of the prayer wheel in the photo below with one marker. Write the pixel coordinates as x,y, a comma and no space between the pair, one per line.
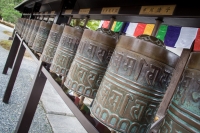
21,25
183,114
66,50
34,33
90,63
27,28
52,43
17,25
30,30
24,26
41,37
133,86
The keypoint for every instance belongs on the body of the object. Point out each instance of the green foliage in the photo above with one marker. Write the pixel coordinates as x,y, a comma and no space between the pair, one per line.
7,11
6,44
91,24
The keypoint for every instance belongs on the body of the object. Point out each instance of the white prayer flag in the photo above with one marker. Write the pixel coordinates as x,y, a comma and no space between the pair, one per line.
186,37
100,25
131,29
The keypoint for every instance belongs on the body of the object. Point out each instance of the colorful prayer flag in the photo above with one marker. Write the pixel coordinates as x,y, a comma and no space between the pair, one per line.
172,35
113,26
101,23
118,26
162,32
105,24
148,29
139,29
197,41
126,25
131,29
186,37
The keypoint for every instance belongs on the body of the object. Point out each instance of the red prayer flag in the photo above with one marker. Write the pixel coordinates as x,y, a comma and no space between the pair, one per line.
139,29
105,24
197,41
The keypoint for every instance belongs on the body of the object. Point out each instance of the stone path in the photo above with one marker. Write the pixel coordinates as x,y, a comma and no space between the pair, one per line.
9,113
4,28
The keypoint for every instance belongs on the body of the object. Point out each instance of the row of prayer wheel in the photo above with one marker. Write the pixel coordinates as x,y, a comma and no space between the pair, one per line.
127,77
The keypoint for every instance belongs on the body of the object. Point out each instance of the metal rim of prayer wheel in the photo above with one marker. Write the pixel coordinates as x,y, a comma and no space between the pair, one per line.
133,86
151,39
66,50
183,114
31,27
27,28
52,43
90,63
34,33
41,37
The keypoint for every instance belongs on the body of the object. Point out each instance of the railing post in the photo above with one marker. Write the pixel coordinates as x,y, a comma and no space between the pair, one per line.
31,102
12,54
14,73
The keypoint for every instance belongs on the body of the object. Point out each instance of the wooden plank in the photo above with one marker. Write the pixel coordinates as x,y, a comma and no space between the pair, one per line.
157,10
174,82
110,10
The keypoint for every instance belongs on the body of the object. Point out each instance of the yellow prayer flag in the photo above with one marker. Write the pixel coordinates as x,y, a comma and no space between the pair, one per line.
113,26
148,29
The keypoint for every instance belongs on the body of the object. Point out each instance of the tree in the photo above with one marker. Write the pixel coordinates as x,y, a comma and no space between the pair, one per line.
7,11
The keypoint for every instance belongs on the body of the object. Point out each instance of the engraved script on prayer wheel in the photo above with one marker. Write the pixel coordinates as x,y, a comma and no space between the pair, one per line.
52,43
133,86
34,33
66,50
183,114
22,25
27,28
30,30
90,63
41,37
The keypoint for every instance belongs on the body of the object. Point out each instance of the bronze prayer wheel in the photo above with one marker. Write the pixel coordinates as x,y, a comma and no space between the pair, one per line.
21,25
27,28
17,25
90,63
183,114
24,26
34,32
41,37
52,43
66,50
133,86
30,30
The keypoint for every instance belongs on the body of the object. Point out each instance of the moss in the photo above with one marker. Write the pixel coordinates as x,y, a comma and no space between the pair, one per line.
6,44
7,33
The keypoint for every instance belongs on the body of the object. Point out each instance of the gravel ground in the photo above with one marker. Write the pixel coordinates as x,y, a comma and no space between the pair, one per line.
10,113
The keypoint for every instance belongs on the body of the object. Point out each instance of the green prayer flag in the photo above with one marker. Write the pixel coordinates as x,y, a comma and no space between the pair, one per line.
118,26
162,32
